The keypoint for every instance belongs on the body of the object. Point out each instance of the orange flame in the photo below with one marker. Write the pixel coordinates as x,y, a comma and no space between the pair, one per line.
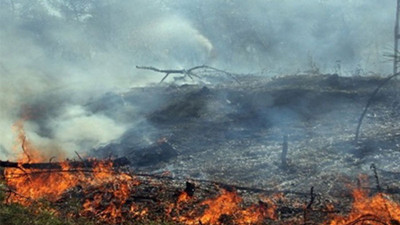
378,209
32,184
114,193
228,204
110,202
183,197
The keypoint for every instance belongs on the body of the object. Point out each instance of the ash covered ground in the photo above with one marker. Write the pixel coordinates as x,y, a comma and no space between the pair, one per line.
233,132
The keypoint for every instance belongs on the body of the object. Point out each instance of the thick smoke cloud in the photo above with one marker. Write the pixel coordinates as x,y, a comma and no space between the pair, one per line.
58,55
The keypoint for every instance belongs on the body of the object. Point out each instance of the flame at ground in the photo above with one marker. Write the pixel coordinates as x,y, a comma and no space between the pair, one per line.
114,193
32,184
183,197
107,192
107,195
378,209
227,206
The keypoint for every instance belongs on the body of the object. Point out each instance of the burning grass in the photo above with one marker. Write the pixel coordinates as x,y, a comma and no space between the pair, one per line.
37,183
106,195
125,200
110,204
377,209
114,197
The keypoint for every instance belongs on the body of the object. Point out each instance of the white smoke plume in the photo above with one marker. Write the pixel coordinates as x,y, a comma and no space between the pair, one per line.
58,55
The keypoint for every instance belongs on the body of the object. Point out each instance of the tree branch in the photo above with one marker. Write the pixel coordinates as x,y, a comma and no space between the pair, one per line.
369,102
190,72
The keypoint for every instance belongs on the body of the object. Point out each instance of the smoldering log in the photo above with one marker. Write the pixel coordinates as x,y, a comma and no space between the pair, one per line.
119,162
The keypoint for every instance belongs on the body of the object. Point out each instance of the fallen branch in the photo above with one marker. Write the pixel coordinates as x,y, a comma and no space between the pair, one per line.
190,72
58,165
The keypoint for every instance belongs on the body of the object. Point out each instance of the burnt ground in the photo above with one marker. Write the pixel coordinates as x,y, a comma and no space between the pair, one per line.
233,133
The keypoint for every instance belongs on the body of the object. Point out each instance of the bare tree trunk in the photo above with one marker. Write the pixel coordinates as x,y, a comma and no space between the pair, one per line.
396,38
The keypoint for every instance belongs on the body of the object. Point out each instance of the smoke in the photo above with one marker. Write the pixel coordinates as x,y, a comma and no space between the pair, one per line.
56,56
284,36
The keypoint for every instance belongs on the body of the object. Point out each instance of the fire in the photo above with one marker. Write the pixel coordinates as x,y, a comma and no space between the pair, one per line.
29,153
378,209
227,206
32,184
110,200
107,195
227,203
183,197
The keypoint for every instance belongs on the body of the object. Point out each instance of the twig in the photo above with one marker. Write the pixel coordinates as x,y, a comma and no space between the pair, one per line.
312,198
308,207
78,155
378,185
217,70
167,72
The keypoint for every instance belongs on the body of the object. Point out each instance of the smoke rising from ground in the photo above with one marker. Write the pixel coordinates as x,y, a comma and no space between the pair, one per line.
58,55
